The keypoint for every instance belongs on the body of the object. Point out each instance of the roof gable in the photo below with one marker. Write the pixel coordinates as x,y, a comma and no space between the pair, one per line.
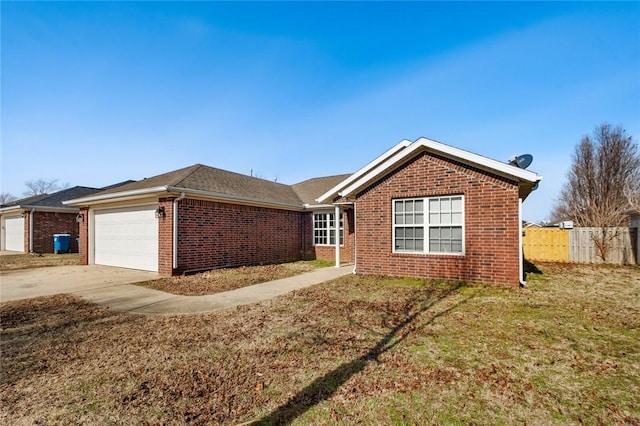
335,190
526,179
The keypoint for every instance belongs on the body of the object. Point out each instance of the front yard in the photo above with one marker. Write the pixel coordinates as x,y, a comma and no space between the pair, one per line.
369,350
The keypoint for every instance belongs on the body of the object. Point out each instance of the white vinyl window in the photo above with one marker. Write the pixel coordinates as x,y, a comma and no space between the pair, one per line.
429,225
324,229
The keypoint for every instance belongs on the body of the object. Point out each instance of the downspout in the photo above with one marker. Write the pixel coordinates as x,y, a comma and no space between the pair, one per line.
175,229
523,283
337,223
31,230
355,238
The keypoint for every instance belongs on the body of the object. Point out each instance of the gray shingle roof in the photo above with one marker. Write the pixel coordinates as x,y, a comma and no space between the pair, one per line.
235,185
53,200
213,180
311,189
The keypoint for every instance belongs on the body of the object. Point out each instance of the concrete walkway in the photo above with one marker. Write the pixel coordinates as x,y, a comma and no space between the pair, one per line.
142,300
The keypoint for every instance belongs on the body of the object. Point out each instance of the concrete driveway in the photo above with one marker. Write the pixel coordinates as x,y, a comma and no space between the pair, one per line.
28,283
112,287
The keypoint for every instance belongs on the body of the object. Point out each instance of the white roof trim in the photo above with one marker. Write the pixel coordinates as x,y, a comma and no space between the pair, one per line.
336,189
39,209
115,195
448,151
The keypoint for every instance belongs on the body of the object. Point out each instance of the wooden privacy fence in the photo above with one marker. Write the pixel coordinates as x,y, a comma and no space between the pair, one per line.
577,245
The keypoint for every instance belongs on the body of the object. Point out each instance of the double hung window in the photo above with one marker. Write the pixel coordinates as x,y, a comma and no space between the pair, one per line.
429,225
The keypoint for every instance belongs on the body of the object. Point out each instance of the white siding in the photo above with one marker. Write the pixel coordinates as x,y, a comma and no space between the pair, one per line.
13,233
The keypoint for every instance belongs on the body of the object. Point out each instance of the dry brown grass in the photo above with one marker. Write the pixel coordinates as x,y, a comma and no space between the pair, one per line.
34,260
226,279
362,350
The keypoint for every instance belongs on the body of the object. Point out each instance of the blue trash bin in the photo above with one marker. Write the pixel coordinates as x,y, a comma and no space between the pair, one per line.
61,243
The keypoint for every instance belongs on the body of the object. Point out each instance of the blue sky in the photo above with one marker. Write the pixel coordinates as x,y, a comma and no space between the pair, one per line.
96,93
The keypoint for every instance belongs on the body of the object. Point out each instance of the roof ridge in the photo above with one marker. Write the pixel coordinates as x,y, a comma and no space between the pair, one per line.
189,171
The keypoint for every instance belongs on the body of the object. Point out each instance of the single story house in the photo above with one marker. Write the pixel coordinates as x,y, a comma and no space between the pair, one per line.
421,209
28,225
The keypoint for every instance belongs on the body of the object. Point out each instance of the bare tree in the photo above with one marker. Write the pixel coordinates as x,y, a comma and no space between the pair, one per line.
632,190
6,197
42,186
594,195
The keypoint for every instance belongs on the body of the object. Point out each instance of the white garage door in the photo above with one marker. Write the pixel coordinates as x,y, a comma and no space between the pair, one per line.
14,233
127,238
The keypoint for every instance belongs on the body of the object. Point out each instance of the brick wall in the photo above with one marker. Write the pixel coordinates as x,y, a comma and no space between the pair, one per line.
213,234
27,219
491,223
48,223
83,231
165,237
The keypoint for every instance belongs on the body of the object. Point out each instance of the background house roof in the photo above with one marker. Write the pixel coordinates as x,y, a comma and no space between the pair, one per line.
52,200
56,200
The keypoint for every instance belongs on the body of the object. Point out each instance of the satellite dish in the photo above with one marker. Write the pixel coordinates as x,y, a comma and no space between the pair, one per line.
522,161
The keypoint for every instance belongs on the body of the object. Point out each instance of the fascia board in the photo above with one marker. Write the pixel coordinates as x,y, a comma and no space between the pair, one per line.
52,209
479,160
390,152
448,151
11,209
115,196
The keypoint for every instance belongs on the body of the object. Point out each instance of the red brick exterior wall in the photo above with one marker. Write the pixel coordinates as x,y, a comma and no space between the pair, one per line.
165,237
83,231
48,223
491,223
347,253
27,225
213,234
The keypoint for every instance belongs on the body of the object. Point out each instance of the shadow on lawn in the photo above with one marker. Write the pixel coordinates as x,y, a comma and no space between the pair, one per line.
323,387
529,268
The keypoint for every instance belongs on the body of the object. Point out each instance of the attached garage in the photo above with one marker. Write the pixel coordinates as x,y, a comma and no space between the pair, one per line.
126,237
13,233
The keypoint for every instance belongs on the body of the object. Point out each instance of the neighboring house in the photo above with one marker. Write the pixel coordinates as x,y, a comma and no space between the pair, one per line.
421,209
28,224
527,224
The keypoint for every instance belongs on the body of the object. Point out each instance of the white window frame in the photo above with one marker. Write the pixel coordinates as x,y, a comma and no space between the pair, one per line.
328,228
426,226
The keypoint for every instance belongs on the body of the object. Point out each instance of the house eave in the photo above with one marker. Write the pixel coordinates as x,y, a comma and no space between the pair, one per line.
25,207
115,196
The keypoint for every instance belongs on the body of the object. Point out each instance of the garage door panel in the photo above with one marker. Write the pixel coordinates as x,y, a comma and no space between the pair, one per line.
127,238
14,233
